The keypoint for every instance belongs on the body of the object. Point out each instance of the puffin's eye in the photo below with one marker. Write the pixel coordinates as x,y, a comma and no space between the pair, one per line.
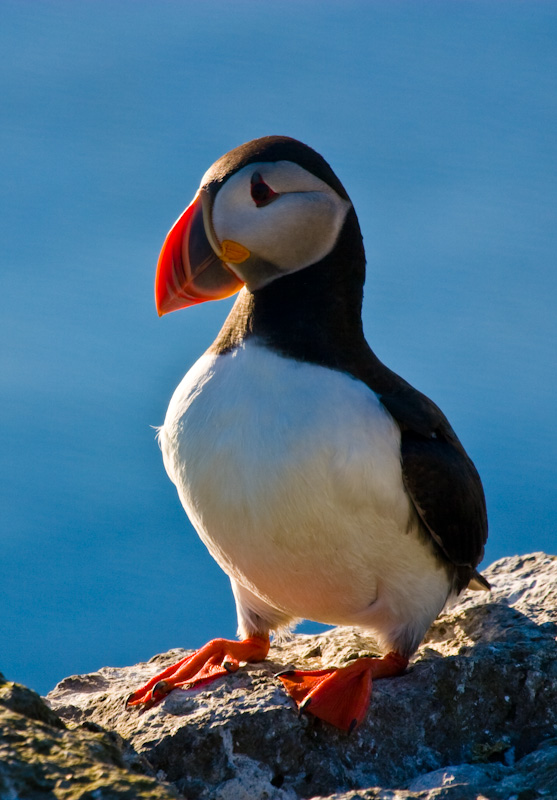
261,193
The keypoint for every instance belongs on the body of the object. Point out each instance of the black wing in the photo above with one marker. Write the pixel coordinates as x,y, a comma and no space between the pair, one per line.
440,477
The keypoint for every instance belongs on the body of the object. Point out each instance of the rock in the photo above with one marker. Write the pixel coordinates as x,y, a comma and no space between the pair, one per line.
475,716
535,776
41,758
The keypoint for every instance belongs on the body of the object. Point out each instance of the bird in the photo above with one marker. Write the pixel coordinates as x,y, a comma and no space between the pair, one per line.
324,485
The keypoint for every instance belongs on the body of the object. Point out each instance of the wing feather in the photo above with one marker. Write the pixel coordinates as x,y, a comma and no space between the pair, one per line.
440,478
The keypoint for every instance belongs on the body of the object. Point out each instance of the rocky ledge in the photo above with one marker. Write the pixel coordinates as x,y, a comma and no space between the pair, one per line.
474,717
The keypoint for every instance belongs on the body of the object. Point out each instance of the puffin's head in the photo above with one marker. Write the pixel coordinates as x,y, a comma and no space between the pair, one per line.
270,207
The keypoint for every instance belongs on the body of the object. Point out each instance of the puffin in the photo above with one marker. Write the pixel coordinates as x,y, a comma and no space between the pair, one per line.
324,485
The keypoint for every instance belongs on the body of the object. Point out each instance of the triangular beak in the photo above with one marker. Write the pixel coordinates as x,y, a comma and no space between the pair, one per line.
189,271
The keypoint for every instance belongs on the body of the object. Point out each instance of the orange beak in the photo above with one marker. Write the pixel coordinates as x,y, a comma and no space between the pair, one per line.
189,271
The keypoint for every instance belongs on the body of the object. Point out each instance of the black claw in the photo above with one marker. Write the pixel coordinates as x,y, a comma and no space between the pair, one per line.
352,726
127,700
160,689
304,705
285,672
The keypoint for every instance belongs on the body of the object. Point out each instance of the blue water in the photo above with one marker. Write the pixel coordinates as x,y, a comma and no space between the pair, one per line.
440,119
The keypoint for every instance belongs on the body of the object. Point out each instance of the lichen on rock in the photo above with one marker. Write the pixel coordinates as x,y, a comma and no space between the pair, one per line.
41,757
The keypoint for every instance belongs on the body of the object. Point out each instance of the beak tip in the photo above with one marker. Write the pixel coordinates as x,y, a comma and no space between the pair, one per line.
158,304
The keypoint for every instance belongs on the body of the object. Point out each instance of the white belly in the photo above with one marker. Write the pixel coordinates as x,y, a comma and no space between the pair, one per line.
291,475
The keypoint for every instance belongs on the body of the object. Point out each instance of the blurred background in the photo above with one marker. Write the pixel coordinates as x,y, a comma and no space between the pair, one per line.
440,120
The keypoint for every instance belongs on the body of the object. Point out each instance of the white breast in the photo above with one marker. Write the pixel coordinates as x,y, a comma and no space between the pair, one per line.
291,475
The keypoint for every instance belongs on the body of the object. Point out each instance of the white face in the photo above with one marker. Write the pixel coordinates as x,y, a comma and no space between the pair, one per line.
296,228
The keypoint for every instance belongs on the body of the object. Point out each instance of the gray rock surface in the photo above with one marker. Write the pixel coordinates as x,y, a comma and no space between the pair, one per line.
475,716
475,713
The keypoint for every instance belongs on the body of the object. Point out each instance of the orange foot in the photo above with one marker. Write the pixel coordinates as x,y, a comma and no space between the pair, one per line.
216,658
340,696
